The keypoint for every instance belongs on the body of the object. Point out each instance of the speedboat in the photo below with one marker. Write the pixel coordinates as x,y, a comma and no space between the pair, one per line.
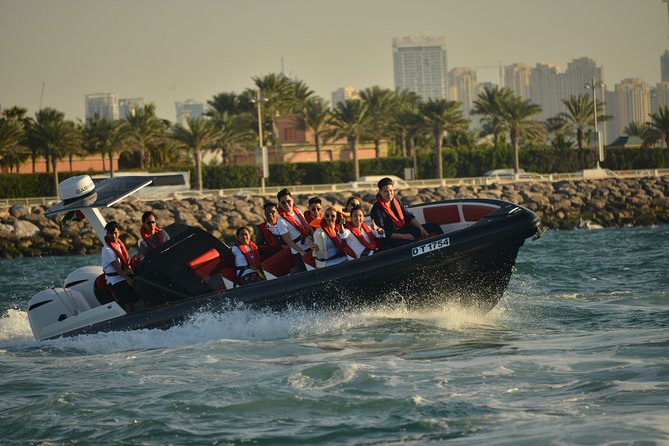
470,263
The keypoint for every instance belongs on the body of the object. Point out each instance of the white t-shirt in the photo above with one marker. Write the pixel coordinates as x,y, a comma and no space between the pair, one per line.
240,259
356,245
283,226
108,256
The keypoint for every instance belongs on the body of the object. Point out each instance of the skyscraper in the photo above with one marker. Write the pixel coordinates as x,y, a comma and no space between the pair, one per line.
420,65
102,105
632,103
344,93
517,79
462,82
546,88
128,106
664,66
188,109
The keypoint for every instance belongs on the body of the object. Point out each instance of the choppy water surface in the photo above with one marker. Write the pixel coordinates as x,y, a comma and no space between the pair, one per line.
576,353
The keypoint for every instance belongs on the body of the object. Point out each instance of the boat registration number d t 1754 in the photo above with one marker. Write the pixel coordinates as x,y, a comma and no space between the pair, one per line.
432,246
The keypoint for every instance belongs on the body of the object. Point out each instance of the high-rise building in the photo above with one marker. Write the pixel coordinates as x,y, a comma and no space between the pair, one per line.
188,109
128,106
420,65
632,103
462,87
517,79
662,92
344,93
664,66
102,105
579,73
546,86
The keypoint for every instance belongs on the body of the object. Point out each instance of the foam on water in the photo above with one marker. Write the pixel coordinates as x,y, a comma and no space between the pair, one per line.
245,325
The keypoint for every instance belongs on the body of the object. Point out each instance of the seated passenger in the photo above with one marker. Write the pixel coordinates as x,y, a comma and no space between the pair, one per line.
293,228
314,214
268,242
328,248
151,236
351,202
359,238
247,258
400,225
116,268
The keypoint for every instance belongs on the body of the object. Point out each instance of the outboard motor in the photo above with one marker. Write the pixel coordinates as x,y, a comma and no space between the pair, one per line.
49,309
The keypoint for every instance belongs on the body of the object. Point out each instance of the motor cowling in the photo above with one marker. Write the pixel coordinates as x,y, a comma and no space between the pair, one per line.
52,306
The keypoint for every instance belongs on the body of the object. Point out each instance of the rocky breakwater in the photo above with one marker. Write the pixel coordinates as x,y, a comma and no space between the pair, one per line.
26,231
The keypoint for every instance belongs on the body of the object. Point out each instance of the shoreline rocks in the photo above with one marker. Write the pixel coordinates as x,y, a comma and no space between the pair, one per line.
25,231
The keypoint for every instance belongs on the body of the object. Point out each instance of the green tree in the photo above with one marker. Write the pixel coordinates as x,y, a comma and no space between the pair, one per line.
146,132
234,132
489,105
380,103
559,130
107,137
517,116
350,120
405,120
440,116
53,136
199,134
659,122
18,117
314,116
12,152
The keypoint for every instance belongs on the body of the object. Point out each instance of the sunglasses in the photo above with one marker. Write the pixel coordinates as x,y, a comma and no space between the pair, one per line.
151,222
316,209
286,201
328,215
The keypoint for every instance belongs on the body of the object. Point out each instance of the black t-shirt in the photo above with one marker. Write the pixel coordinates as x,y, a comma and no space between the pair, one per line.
383,220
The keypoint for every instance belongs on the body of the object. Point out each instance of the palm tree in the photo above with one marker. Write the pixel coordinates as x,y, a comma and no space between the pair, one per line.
517,116
234,132
198,135
18,116
350,120
560,129
12,153
659,121
279,93
580,114
107,137
53,136
489,104
379,103
439,116
314,116
146,131
405,119
643,131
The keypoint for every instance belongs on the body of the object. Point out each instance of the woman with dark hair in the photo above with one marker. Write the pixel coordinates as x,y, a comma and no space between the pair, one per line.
150,235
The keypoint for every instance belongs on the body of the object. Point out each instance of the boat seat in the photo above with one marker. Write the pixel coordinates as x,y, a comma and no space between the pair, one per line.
309,260
475,212
442,215
210,263
103,292
278,264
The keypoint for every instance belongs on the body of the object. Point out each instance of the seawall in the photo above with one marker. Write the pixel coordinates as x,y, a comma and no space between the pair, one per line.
26,231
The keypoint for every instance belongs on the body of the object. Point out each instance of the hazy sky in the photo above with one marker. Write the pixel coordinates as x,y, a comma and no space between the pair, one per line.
172,50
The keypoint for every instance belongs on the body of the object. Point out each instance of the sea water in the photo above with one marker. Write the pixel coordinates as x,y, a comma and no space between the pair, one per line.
577,352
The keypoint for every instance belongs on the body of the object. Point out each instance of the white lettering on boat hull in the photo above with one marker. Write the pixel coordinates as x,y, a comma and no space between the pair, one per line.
432,246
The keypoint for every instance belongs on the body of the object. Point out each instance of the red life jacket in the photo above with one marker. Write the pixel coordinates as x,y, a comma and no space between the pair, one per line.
333,236
270,239
253,256
398,219
121,252
302,226
152,242
369,244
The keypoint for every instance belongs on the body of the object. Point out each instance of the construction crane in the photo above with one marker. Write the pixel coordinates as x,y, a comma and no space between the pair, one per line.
499,66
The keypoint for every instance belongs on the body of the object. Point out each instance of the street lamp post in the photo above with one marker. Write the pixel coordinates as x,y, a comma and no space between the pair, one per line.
593,87
262,167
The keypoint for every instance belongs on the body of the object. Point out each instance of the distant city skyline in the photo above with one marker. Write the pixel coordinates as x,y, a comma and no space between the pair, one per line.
169,51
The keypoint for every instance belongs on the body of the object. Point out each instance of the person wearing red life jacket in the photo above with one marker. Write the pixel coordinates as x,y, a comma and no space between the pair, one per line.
247,258
359,239
328,248
400,225
268,242
116,268
151,236
293,228
314,214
